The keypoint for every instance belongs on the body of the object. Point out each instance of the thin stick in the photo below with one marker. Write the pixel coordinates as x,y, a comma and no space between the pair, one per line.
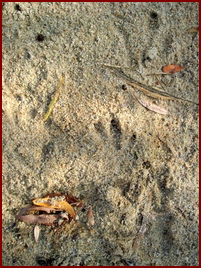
162,73
145,220
160,82
116,66
151,91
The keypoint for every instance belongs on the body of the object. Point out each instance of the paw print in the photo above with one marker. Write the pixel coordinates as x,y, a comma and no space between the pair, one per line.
114,129
112,133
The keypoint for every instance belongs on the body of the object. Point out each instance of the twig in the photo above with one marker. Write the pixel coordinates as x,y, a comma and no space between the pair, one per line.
117,66
145,220
151,91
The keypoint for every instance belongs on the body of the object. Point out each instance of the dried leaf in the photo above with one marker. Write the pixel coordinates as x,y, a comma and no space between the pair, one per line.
172,68
41,219
70,199
24,210
193,30
153,107
56,202
47,219
34,208
54,100
64,216
36,233
50,203
91,220
46,209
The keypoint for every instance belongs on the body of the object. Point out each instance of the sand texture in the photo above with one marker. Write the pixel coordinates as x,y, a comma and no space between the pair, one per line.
136,168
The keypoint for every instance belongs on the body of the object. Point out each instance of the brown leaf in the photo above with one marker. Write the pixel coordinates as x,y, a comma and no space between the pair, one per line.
46,209
41,219
64,216
34,208
50,203
24,211
172,68
193,30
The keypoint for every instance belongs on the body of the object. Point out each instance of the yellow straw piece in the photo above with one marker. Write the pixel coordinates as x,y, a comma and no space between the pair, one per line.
54,100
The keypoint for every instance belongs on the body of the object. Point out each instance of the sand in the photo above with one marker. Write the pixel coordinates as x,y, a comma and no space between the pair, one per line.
136,168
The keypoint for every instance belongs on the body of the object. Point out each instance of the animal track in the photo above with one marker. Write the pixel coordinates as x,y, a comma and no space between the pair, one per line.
115,130
100,129
113,133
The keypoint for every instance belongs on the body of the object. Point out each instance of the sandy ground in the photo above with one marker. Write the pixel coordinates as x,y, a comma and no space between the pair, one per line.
137,169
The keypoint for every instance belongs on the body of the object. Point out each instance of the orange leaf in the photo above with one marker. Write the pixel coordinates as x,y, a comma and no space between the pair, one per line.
70,199
56,202
172,68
